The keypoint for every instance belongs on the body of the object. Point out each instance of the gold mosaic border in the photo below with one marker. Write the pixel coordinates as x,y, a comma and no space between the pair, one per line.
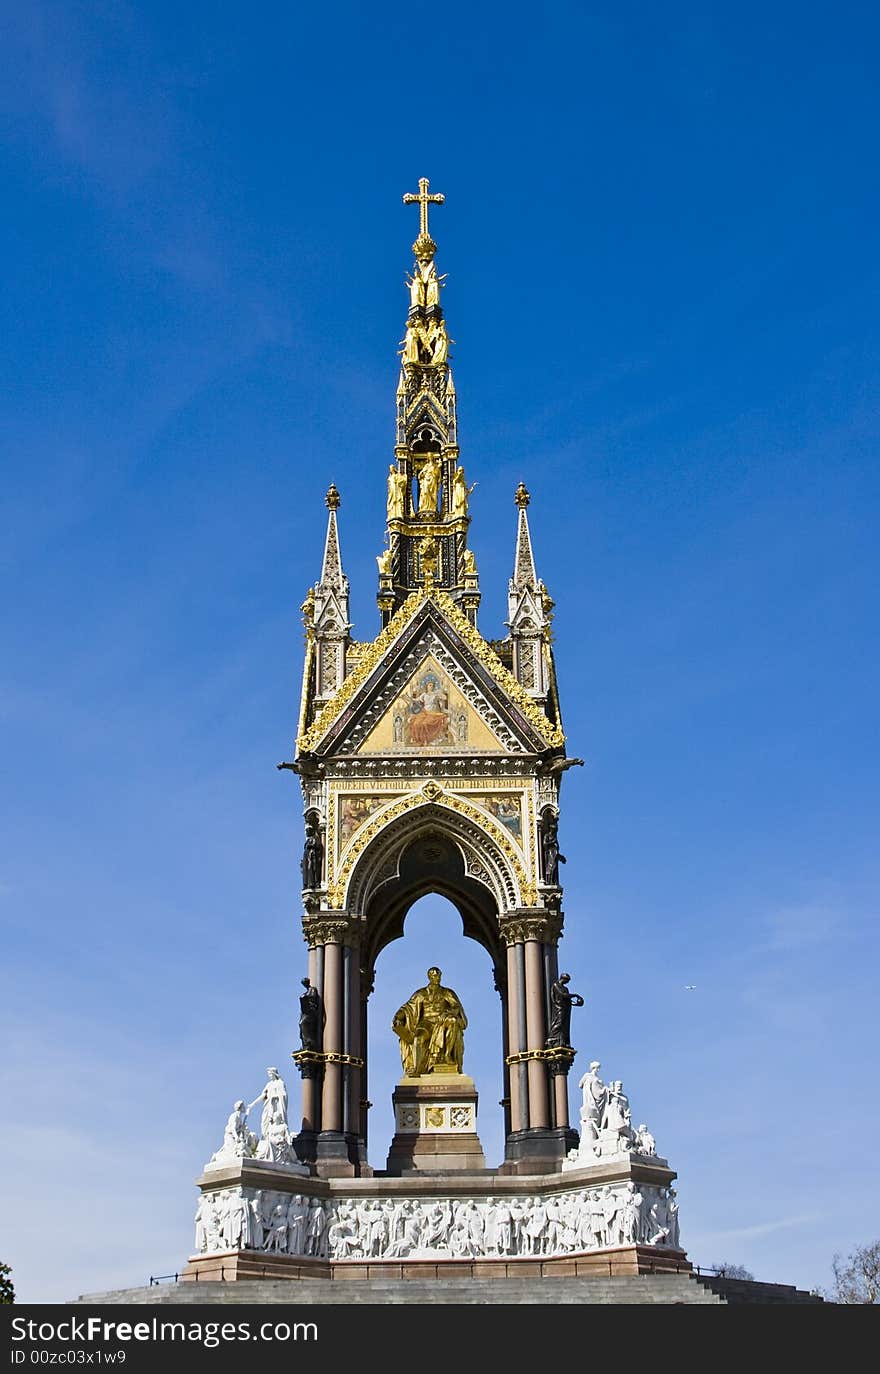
431,793
392,791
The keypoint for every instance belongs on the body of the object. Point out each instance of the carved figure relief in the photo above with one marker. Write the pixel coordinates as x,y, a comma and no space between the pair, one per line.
421,1228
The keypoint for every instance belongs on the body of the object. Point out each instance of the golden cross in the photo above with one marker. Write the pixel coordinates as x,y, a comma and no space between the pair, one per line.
423,200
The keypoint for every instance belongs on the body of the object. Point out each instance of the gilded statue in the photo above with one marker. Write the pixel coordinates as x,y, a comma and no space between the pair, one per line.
396,493
429,485
411,345
430,1027
439,344
432,287
416,291
460,492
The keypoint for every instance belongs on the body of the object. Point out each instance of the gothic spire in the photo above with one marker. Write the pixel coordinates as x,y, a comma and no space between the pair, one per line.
427,491
332,575
524,575
329,613
529,609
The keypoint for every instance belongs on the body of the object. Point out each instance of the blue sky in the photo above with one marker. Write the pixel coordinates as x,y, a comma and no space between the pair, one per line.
660,239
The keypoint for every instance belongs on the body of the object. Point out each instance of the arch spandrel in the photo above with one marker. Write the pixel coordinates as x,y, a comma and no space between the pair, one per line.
469,825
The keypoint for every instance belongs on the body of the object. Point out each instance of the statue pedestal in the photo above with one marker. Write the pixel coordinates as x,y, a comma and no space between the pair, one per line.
435,1126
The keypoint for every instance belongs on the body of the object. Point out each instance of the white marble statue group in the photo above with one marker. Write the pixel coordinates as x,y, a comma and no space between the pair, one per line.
606,1123
458,1228
274,1141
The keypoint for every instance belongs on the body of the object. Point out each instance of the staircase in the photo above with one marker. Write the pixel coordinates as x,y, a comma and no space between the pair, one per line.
622,1289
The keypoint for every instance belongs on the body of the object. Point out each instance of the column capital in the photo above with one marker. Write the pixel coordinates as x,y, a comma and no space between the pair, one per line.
330,930
530,923
309,1062
314,1060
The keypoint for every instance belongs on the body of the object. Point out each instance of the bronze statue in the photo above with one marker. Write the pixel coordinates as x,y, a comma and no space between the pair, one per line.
561,1003
550,849
430,1026
310,1017
313,857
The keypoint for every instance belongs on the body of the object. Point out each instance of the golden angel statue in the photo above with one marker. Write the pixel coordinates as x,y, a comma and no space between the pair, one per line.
416,290
411,345
439,344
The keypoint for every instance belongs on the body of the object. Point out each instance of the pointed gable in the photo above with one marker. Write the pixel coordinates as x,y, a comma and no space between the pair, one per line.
430,635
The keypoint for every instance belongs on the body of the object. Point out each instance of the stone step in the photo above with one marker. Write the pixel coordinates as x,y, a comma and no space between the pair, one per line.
623,1289
737,1291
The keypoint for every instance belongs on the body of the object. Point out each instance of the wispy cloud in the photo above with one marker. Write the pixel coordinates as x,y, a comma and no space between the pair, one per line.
764,1228
797,927
103,118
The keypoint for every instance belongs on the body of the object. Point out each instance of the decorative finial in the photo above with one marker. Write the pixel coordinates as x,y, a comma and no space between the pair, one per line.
332,499
522,497
424,247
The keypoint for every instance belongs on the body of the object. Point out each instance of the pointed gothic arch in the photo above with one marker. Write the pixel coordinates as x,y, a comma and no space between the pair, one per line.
488,857
426,845
431,847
